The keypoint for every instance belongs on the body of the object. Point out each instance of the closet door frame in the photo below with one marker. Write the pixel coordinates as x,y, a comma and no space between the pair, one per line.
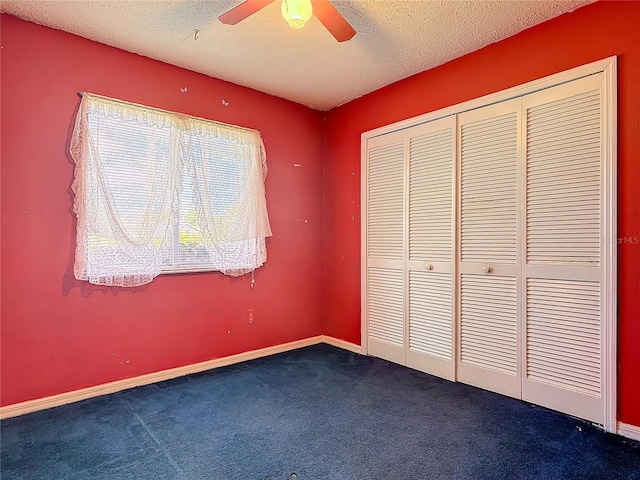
608,67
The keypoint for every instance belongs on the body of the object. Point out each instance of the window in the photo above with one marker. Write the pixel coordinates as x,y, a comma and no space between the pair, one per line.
163,192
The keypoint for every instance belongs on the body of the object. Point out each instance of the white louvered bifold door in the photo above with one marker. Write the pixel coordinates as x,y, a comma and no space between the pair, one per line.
489,141
489,243
430,264
384,296
563,270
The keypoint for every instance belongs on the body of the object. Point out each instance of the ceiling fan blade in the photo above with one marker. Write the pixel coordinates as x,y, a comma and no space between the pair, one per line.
332,20
242,11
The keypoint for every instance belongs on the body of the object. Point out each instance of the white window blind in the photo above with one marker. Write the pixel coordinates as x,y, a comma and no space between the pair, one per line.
157,192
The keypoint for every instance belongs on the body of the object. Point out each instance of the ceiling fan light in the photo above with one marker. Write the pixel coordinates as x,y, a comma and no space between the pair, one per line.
297,12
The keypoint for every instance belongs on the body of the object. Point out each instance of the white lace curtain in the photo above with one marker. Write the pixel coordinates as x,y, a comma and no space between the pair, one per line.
158,191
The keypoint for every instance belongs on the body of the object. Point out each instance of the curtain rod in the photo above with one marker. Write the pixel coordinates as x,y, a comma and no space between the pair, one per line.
162,110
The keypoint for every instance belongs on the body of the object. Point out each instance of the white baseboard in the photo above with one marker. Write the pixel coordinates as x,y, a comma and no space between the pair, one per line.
336,342
629,431
625,430
112,387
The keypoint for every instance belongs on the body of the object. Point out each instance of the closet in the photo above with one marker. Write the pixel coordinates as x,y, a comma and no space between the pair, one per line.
487,242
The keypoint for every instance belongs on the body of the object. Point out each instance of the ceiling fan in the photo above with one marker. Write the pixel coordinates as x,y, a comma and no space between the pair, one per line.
296,13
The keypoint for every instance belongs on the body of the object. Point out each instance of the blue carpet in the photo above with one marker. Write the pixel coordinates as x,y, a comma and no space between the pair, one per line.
310,414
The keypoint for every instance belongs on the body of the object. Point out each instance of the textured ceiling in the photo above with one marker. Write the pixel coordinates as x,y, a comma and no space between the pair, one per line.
394,39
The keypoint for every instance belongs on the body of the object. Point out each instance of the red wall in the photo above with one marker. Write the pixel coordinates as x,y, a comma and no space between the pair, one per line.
59,334
590,33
